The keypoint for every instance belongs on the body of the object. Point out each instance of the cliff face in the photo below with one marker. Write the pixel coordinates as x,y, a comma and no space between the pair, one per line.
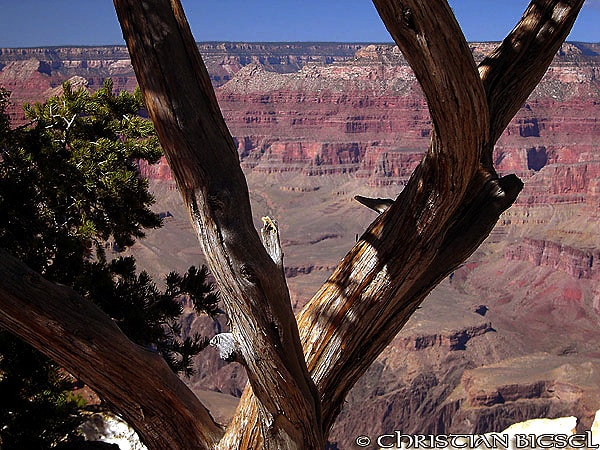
345,108
577,262
40,69
367,116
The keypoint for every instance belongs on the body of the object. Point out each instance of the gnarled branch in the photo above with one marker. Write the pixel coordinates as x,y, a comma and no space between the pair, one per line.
513,70
81,338
206,167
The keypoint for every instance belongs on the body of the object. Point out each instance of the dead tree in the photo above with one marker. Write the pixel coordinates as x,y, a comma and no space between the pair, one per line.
300,369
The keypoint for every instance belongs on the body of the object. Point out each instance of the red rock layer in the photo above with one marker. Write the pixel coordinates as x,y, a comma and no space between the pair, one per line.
316,109
577,262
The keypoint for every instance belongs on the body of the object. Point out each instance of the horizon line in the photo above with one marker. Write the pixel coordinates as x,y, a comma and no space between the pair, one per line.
55,46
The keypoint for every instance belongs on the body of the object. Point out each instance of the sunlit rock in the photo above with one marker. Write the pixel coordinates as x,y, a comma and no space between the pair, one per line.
112,430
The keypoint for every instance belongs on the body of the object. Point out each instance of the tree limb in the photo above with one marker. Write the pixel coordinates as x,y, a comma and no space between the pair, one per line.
81,338
378,205
420,239
513,70
269,233
432,42
391,269
205,164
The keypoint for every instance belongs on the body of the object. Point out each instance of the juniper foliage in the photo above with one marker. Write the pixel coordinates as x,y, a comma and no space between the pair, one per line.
70,190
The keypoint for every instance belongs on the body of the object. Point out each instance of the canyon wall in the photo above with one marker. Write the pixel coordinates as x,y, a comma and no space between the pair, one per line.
347,108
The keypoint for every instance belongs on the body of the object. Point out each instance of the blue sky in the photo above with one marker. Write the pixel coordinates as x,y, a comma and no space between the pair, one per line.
32,23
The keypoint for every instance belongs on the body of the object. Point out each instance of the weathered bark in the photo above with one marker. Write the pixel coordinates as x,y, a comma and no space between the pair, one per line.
449,206
513,70
205,165
77,335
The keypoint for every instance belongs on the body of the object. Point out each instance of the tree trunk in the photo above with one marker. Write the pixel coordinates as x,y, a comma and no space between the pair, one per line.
300,371
205,165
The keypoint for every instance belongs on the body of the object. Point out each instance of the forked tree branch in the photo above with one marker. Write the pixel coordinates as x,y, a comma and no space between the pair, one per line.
449,206
86,342
205,164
